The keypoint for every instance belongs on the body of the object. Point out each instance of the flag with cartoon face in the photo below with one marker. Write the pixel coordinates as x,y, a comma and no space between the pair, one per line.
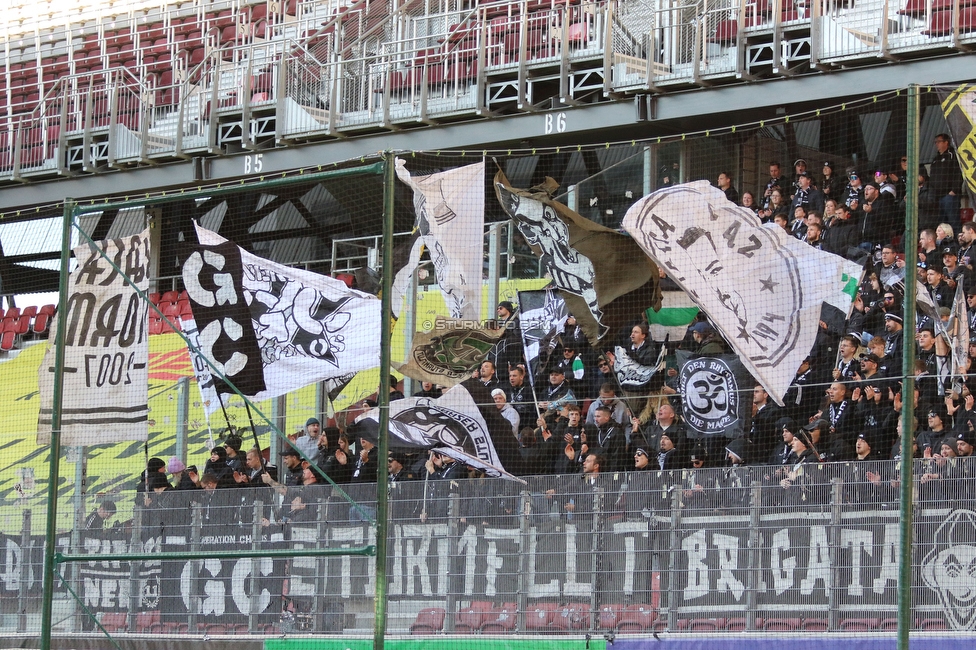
762,288
269,329
463,423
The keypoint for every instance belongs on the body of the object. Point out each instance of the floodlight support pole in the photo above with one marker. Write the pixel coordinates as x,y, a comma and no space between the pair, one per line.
908,374
382,443
54,462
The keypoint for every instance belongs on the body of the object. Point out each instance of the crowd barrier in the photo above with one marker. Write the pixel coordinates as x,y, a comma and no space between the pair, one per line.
635,552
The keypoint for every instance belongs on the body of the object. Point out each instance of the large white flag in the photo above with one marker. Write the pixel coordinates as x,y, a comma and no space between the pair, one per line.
762,288
450,224
270,329
106,348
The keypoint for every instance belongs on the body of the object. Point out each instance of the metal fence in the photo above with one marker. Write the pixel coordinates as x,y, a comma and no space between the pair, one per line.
758,548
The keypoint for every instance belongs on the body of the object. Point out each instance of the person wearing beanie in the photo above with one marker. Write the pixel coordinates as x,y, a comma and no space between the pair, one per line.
863,448
965,443
695,494
507,412
797,481
831,184
235,460
308,444
153,466
642,455
217,465
783,453
181,477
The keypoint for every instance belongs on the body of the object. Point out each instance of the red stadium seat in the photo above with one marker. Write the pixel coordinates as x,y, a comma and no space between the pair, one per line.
706,624
609,615
815,625
184,309
931,624
572,616
539,617
471,618
7,340
146,620
169,296
114,621
430,620
781,624
725,33
43,318
636,618
859,624
501,620
735,625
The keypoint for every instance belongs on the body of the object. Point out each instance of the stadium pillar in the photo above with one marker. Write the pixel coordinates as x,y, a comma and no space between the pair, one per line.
383,446
908,374
51,528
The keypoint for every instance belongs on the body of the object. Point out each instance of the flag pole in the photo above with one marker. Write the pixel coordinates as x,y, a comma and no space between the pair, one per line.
383,399
51,528
908,378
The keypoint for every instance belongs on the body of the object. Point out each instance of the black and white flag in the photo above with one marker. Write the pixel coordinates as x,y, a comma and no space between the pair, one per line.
463,423
602,274
716,395
271,329
762,288
631,375
205,378
543,319
450,225
958,330
106,348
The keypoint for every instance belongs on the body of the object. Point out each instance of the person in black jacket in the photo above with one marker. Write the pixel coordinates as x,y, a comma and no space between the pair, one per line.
366,464
843,233
945,181
610,441
96,520
763,434
831,184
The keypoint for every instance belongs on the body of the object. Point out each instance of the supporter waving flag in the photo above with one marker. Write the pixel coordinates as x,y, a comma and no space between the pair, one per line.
600,273
450,223
463,423
544,316
763,289
270,329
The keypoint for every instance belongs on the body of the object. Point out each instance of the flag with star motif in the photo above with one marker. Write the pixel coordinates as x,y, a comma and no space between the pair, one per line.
760,287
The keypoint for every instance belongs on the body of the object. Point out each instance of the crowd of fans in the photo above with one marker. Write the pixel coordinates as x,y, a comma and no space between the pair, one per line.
575,416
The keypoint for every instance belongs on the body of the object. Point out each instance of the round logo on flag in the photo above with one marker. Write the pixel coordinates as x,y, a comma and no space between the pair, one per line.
710,395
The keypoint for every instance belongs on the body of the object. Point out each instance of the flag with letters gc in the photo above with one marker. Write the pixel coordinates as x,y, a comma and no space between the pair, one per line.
762,288
106,348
